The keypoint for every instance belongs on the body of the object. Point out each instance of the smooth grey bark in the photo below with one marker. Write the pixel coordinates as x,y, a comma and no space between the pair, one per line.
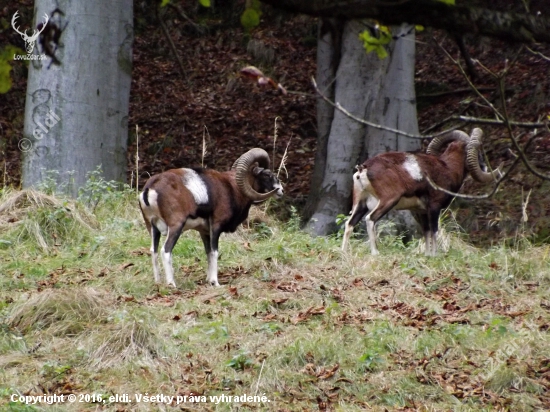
76,113
373,89
328,57
396,103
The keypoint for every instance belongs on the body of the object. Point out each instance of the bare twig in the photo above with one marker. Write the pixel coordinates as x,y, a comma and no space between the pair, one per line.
259,378
339,107
465,75
456,91
538,54
184,16
204,145
494,122
275,130
516,145
502,178
137,158
504,118
172,46
282,166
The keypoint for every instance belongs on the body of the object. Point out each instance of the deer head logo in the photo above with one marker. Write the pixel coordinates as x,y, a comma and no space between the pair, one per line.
29,40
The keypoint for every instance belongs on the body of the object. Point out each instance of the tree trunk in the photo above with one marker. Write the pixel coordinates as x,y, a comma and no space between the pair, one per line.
396,103
375,89
328,58
76,113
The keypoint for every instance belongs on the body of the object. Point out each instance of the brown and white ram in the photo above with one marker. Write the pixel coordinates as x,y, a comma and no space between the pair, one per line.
205,200
397,180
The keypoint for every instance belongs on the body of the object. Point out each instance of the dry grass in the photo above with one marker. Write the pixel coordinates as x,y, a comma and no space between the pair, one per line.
16,205
45,219
123,342
59,311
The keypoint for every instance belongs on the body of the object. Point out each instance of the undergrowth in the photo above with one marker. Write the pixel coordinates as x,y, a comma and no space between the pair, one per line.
295,318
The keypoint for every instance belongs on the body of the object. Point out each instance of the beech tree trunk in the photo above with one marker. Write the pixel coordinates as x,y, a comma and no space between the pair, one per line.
379,90
76,113
328,57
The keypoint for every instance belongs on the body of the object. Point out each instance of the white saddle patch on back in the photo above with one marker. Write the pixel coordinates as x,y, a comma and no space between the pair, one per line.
411,165
197,187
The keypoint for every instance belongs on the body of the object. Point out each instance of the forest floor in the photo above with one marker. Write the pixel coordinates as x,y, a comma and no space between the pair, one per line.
205,103
295,320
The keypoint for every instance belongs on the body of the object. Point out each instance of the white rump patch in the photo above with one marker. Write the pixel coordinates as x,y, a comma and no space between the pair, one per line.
197,187
411,165
152,197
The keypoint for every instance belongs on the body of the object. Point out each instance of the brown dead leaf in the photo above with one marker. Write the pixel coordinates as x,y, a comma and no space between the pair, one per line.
311,311
140,252
126,265
212,297
287,286
358,282
328,373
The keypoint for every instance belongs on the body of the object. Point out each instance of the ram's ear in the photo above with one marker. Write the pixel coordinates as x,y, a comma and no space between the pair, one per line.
256,169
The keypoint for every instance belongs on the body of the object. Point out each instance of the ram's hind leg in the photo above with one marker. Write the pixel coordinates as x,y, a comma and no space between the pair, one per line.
422,219
378,209
155,239
356,215
433,219
211,248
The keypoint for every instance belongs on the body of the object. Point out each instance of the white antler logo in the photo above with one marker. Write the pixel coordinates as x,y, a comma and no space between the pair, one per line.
29,40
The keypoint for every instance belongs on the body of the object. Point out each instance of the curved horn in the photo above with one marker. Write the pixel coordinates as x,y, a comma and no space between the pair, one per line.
472,161
437,143
243,167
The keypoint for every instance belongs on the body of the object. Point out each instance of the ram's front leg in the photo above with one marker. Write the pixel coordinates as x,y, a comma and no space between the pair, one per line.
211,248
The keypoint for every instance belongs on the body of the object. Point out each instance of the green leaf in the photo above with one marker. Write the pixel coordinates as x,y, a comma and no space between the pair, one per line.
376,44
205,3
250,19
381,52
449,2
419,28
164,3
